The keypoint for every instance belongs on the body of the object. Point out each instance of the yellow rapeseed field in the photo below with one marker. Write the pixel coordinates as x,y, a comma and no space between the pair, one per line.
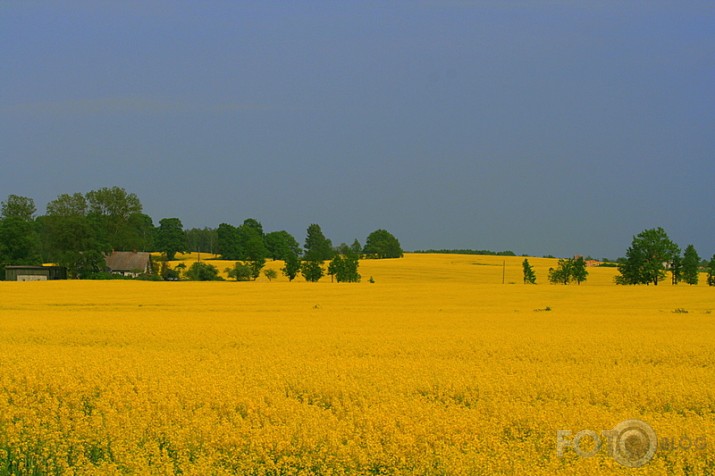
436,368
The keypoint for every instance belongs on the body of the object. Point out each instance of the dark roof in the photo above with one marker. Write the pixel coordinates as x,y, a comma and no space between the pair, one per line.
128,261
21,266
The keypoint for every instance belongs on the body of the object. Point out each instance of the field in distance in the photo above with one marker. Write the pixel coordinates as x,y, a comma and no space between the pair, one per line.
436,368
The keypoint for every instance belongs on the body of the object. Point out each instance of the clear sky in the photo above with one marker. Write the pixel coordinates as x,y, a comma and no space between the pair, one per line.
544,127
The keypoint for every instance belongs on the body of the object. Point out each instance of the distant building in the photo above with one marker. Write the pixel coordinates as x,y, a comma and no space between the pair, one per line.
35,273
592,263
129,263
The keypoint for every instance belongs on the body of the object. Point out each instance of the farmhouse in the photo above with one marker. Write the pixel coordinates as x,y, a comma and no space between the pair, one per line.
129,263
34,273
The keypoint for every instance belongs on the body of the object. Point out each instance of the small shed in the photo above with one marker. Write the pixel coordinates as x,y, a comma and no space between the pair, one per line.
129,263
34,273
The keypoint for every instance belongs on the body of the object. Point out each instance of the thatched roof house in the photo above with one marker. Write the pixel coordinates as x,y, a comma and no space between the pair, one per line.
129,263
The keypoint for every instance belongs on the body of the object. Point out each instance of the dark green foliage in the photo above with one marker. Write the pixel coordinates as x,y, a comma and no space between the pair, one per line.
79,229
711,271
228,247
256,266
382,244
83,264
251,244
202,240
292,266
21,208
312,271
240,272
529,275
270,274
244,243
344,268
562,274
20,241
281,244
168,274
317,246
170,237
691,265
110,210
200,271
578,270
646,259
569,270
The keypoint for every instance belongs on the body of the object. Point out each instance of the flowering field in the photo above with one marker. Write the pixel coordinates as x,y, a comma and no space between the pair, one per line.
437,368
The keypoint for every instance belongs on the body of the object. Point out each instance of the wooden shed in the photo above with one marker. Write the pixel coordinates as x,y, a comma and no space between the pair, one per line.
34,273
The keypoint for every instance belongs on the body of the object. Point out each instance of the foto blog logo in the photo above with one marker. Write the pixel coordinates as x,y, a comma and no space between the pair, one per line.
632,443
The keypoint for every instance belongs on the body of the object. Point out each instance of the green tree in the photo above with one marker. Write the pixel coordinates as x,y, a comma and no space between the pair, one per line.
270,274
256,266
691,265
281,244
240,272
312,271
382,244
140,232
562,273
170,237
251,244
529,275
19,238
70,237
22,208
19,243
317,246
200,271
711,271
344,268
579,273
228,246
109,211
292,266
647,257
202,240
676,266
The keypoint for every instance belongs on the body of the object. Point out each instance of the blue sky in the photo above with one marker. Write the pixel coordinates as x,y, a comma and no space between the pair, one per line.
545,127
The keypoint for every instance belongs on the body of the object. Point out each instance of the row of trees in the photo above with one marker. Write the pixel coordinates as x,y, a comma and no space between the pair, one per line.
650,257
250,247
570,270
652,253
78,230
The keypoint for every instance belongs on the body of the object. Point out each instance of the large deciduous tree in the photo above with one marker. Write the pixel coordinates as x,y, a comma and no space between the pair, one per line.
646,260
711,271
170,237
281,244
22,208
382,244
111,210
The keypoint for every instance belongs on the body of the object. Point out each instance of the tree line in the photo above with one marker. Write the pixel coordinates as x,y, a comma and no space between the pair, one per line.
79,230
651,255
